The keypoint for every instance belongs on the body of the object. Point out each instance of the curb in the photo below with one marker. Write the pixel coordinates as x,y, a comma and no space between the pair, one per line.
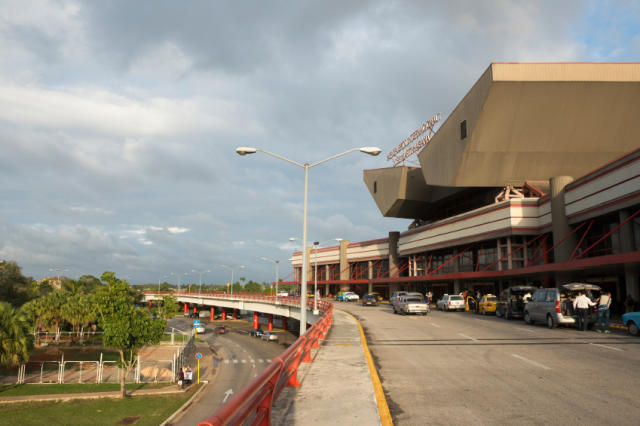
383,407
74,396
185,405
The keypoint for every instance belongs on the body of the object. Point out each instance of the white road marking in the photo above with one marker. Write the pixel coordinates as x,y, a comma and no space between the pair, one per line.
235,361
244,361
525,329
468,337
435,325
531,362
261,360
226,361
227,394
608,347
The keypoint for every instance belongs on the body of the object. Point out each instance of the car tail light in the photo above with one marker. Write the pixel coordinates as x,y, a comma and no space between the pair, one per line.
557,306
449,302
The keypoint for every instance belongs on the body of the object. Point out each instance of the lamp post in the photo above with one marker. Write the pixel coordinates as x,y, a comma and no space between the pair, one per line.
57,271
180,276
277,263
200,272
315,285
232,271
306,166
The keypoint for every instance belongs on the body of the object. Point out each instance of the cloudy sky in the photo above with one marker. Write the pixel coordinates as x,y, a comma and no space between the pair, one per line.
119,119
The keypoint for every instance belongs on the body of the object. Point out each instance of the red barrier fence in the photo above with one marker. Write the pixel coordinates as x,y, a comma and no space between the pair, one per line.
252,405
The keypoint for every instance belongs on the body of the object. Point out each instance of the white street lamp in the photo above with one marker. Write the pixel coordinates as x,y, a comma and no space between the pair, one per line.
232,271
200,272
57,271
277,262
180,276
315,274
243,150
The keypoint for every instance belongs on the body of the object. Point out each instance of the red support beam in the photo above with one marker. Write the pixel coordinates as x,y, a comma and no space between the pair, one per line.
559,242
451,260
614,230
573,253
523,246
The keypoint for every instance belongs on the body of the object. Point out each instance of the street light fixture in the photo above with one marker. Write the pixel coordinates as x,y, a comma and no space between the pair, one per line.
277,263
232,271
315,274
180,276
58,270
200,272
243,150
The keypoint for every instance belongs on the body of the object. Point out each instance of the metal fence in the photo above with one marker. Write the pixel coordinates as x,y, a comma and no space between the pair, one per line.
102,371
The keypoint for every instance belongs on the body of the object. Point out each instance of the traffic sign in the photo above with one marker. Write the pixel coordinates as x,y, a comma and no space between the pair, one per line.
196,323
198,355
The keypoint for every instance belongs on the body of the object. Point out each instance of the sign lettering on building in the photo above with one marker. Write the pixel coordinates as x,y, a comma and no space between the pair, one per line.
401,152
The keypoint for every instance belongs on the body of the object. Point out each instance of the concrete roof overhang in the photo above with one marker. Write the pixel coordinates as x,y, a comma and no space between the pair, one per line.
524,122
533,121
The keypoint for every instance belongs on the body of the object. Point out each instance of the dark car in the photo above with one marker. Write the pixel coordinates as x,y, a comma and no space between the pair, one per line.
512,301
222,329
257,332
370,300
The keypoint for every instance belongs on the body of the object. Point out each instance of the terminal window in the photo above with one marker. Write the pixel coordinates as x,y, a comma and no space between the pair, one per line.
463,129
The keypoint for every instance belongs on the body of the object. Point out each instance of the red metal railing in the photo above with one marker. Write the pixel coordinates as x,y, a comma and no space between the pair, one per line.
252,405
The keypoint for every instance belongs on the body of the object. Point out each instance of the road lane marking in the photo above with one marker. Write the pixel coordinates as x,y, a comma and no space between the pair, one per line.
244,361
261,360
468,337
226,361
608,347
525,329
235,361
434,325
521,358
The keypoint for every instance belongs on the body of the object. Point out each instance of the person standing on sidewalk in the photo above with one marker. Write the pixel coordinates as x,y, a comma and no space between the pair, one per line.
604,305
581,305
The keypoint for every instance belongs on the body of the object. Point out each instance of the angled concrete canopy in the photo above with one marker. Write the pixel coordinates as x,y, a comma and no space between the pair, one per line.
535,121
523,122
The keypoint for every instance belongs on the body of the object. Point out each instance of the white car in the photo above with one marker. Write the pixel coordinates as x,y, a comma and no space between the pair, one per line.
269,336
200,330
411,304
350,296
451,302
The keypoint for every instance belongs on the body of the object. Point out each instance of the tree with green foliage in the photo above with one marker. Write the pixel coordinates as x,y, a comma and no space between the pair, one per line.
126,328
89,283
15,339
15,288
169,306
253,287
54,309
79,311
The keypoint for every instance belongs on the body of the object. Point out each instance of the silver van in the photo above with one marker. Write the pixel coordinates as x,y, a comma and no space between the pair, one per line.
554,306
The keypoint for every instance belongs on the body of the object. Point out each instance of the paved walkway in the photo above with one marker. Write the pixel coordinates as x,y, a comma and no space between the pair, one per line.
337,387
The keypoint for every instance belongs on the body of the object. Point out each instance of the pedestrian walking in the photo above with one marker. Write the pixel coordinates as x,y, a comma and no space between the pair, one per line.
188,375
581,305
181,378
604,308
628,304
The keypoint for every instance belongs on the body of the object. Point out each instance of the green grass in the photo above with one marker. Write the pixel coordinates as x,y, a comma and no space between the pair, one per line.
152,410
38,389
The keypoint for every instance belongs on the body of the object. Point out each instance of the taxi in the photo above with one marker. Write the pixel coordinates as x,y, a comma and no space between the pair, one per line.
377,295
487,304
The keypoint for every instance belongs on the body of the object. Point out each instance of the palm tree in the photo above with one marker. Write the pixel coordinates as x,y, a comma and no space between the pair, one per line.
15,340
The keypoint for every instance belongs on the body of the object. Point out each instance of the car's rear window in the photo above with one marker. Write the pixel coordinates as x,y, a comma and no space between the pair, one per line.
414,300
456,298
491,299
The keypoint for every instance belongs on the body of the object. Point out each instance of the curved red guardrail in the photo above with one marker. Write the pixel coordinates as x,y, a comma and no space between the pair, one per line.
252,405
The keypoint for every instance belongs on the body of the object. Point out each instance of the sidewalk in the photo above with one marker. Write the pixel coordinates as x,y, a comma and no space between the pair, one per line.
337,387
171,389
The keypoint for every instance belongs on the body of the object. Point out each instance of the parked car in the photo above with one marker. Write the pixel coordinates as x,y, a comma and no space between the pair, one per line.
396,296
554,306
487,303
347,296
512,300
269,336
377,295
451,302
257,332
370,300
204,314
412,303
200,330
632,321
222,329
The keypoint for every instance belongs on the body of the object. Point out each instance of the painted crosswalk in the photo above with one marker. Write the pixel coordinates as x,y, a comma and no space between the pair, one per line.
236,361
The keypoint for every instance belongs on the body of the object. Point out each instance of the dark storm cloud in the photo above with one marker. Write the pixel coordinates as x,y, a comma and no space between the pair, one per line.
119,119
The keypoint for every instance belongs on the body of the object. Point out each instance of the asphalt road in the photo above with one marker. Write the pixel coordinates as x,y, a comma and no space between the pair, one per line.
463,368
231,361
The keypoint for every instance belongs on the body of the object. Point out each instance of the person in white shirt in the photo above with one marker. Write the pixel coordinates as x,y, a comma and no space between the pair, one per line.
604,304
581,305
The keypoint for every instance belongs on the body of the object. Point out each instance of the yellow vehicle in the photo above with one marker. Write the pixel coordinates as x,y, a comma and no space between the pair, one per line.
377,295
487,304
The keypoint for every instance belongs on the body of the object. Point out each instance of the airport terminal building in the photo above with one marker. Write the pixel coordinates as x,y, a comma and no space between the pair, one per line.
533,178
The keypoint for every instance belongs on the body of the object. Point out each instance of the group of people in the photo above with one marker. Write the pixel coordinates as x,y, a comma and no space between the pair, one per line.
185,376
581,305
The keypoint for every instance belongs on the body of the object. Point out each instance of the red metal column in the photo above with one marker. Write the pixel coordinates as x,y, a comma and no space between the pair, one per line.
256,322
270,324
284,323
235,314
213,313
186,308
195,312
224,314
149,303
